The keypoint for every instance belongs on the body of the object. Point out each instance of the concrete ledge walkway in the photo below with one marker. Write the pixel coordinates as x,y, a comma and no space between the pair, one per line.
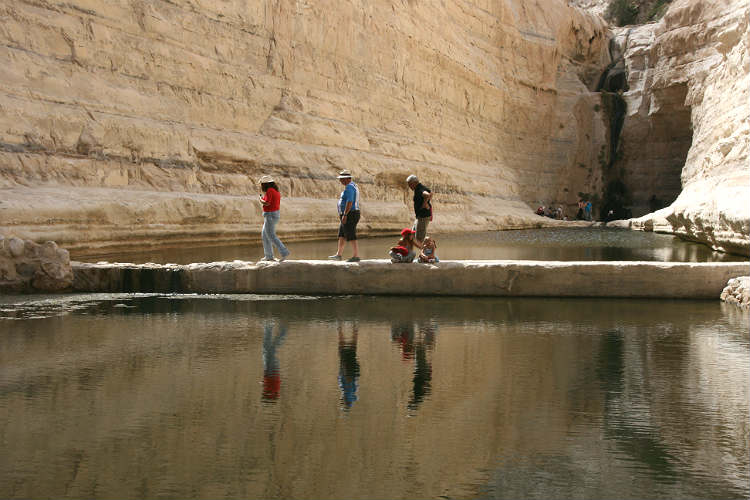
684,280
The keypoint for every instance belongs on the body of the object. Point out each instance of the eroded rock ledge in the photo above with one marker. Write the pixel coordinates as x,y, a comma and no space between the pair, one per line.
27,267
380,277
737,292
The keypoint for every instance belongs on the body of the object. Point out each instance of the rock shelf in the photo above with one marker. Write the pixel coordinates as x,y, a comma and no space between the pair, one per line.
669,280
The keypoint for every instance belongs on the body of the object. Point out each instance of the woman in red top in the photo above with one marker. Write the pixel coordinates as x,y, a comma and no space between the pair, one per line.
271,200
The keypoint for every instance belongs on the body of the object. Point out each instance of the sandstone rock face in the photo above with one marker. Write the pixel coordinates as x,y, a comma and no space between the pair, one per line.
129,122
27,267
686,137
737,292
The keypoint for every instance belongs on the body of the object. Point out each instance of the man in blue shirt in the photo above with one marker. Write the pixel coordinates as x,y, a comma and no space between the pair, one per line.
348,208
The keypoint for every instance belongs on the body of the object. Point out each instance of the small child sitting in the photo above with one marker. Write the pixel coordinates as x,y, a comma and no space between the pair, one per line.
428,253
404,249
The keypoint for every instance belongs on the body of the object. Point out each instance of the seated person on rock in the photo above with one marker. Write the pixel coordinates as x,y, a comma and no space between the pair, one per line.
404,250
429,251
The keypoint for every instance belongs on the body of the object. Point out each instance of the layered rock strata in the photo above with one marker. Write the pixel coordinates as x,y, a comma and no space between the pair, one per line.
378,277
132,122
27,267
685,143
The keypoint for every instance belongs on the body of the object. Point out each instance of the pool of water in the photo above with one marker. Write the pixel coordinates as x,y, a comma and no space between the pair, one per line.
530,244
252,396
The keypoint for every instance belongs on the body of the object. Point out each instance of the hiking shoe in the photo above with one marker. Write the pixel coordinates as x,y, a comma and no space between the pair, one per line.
267,259
334,257
353,259
283,257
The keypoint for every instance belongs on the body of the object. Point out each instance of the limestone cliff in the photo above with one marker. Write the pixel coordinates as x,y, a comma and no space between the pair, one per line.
686,137
129,122
134,123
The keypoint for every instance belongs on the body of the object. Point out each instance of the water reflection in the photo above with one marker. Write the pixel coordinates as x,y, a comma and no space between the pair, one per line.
551,244
627,429
133,396
271,365
415,345
348,365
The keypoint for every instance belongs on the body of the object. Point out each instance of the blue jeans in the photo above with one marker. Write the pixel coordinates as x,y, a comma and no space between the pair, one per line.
270,219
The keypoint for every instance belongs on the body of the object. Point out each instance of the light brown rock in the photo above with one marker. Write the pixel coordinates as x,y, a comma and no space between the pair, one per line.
27,267
737,291
380,277
686,137
138,123
142,123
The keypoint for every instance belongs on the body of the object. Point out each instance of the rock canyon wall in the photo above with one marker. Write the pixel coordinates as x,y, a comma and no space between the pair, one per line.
685,143
133,123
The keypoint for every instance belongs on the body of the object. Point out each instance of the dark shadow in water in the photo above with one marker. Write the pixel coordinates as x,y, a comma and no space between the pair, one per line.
640,442
348,366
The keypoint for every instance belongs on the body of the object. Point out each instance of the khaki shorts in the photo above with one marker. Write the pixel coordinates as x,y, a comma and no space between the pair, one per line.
420,226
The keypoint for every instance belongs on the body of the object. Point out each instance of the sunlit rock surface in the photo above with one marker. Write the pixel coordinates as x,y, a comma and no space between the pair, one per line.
737,291
686,136
380,277
128,123
27,267
136,123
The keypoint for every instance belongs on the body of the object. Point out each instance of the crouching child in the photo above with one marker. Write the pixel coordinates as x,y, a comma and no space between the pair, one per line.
404,250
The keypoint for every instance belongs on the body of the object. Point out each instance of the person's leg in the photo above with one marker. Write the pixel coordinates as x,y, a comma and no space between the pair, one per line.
351,235
340,244
274,218
421,229
265,237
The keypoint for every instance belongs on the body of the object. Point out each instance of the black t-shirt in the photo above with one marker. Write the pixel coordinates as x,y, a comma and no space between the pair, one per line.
419,211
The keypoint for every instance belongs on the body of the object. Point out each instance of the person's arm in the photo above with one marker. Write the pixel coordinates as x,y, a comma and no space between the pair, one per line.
265,200
347,209
426,197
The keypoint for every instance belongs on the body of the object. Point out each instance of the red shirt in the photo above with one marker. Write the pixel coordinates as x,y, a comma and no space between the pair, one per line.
273,198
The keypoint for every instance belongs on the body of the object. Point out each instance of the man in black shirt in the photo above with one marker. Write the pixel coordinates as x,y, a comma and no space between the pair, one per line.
422,207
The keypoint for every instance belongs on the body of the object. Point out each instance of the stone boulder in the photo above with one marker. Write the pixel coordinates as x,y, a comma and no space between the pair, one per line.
28,267
737,291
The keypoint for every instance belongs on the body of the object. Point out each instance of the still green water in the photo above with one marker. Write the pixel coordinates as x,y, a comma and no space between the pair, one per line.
148,396
567,244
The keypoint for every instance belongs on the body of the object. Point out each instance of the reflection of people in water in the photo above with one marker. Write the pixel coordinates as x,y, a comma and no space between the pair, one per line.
402,334
348,367
416,347
271,365
422,366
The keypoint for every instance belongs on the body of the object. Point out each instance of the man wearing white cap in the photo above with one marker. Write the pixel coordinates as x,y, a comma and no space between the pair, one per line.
422,207
348,208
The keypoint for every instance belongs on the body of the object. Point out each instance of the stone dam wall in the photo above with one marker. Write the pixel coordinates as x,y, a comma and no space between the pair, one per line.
379,277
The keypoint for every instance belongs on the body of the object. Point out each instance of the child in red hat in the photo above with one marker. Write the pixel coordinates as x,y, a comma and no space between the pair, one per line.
404,250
